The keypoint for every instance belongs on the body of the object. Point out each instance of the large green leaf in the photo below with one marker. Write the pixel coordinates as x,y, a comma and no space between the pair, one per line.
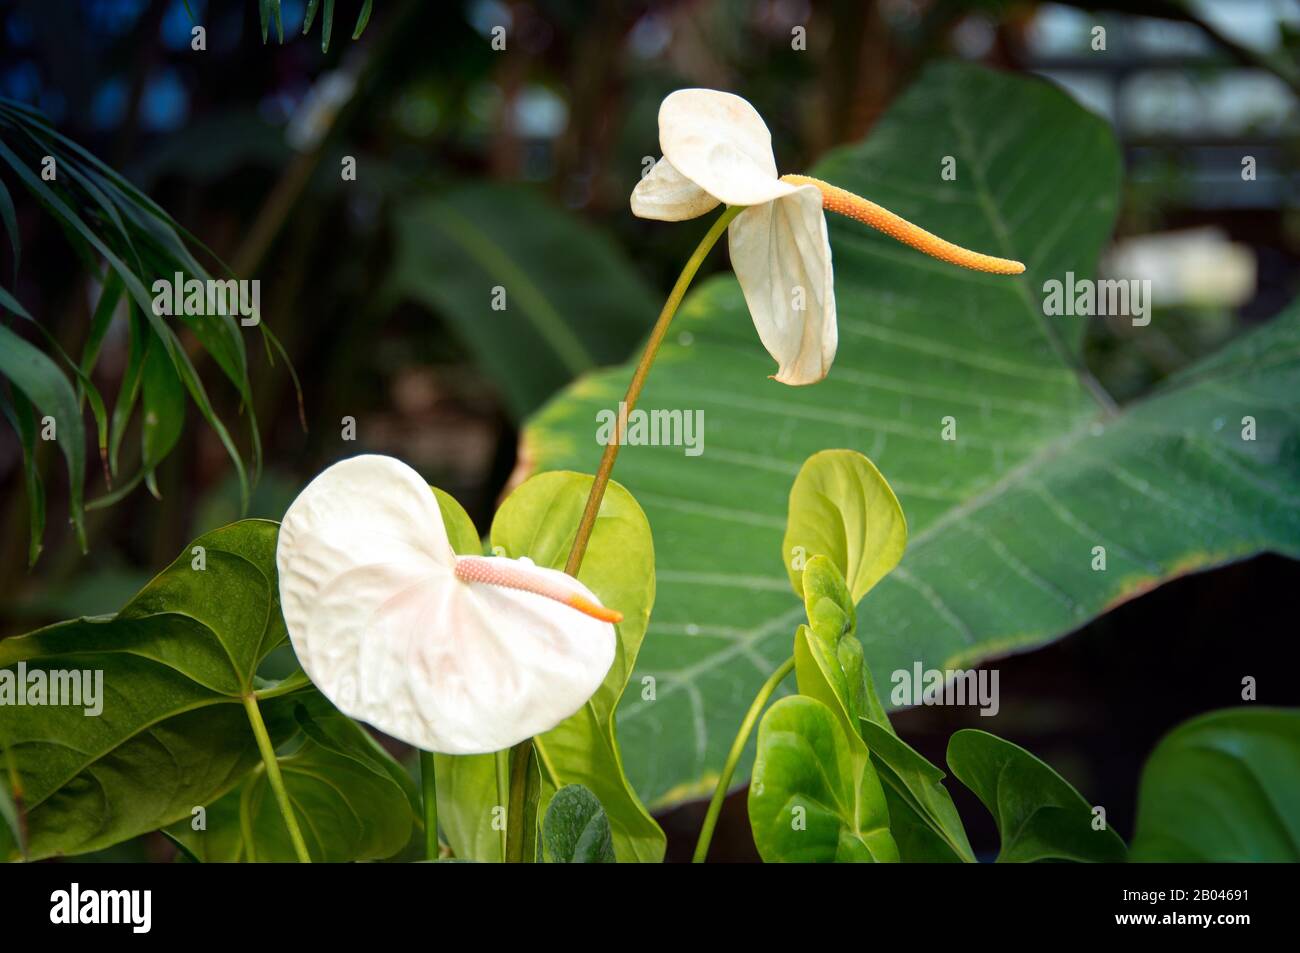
1004,519
815,795
353,800
173,733
1224,787
571,304
539,520
1040,815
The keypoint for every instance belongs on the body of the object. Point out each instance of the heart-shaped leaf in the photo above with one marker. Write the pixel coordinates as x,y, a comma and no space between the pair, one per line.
161,726
1223,788
1003,520
575,829
1040,815
539,520
354,801
842,508
814,795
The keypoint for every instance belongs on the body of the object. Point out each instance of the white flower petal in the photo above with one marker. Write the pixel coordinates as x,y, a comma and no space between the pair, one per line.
386,630
720,143
666,195
782,255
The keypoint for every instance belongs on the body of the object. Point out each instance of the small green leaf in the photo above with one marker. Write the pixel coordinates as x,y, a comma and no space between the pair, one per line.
814,795
327,26
842,508
1223,788
129,390
922,817
22,417
575,829
829,667
163,409
827,653
462,535
310,17
363,18
1039,814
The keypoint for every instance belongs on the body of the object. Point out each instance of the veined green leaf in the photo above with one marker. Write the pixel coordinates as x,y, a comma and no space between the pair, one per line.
575,829
537,295
168,675
1003,520
814,795
356,803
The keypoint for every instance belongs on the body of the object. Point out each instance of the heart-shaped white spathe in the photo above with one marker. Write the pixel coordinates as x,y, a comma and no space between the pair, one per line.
388,632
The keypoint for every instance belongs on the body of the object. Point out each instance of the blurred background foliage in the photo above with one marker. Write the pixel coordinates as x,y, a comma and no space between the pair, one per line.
476,167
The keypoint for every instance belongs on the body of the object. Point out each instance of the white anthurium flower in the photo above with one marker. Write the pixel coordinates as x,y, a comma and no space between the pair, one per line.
454,654
717,149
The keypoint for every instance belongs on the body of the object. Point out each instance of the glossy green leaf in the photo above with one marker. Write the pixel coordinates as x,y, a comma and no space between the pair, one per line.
462,535
172,734
1223,788
355,802
814,795
569,302
842,508
471,809
1040,816
827,654
829,667
539,520
575,829
1003,520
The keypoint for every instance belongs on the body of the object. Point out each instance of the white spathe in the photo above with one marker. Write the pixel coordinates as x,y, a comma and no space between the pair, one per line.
392,637
716,148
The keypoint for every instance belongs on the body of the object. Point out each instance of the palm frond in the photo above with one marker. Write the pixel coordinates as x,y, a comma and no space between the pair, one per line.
129,242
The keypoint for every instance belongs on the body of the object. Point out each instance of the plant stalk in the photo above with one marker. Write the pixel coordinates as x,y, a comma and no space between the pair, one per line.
429,790
516,813
274,777
657,334
733,758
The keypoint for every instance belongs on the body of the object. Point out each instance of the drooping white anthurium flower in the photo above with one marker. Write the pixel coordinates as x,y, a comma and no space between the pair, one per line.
454,654
717,149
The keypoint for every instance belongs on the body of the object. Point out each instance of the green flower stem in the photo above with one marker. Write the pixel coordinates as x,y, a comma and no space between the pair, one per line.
516,820
502,761
638,381
429,790
274,777
733,758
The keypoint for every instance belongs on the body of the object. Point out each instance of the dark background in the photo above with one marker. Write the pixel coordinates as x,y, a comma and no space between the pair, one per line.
1188,89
